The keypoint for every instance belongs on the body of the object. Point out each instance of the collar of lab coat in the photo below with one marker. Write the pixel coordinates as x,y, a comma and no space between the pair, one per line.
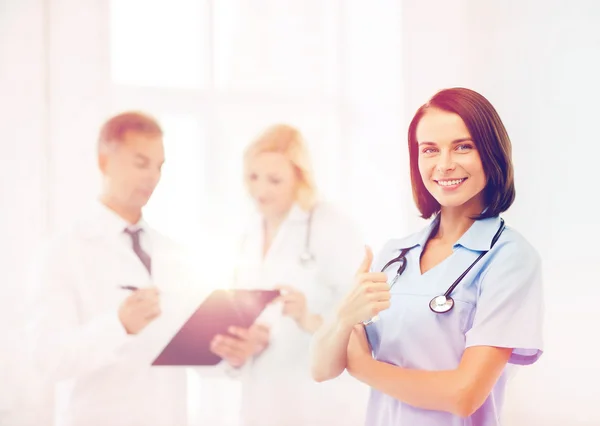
104,221
297,214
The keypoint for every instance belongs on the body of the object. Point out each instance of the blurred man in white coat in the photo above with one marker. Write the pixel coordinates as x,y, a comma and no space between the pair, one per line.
110,293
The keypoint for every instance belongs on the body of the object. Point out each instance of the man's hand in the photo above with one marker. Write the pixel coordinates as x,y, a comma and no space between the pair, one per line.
139,309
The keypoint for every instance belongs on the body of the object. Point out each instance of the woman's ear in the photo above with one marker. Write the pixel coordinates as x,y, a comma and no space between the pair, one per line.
102,160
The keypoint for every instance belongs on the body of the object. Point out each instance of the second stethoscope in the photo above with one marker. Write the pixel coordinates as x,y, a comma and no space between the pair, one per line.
307,258
444,302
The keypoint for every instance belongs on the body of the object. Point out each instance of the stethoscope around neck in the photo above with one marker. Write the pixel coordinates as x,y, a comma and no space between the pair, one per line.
444,302
306,258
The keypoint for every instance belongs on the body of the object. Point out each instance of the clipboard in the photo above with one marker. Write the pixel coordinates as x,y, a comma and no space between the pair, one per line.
219,311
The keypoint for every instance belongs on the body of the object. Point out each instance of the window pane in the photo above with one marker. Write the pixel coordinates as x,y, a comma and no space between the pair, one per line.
159,43
275,46
372,50
176,205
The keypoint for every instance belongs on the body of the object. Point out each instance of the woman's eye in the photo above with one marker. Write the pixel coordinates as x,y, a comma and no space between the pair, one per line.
464,147
428,150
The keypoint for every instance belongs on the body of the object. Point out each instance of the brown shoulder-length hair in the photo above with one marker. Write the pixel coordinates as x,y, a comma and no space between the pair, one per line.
492,142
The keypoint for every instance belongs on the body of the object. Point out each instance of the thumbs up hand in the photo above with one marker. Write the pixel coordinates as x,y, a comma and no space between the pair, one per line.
369,295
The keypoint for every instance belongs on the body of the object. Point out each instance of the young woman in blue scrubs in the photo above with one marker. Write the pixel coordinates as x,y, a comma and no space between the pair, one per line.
427,368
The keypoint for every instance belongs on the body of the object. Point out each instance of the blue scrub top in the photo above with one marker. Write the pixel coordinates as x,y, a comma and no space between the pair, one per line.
498,303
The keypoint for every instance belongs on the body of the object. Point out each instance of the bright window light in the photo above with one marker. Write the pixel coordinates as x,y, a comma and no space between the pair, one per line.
176,206
273,46
159,43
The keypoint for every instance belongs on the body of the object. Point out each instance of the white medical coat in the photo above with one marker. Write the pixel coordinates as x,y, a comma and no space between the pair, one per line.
103,375
277,388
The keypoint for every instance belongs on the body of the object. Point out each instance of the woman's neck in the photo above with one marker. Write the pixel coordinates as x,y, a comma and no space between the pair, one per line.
271,225
455,221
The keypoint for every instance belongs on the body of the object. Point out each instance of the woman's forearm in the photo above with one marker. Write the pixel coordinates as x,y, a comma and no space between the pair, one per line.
328,350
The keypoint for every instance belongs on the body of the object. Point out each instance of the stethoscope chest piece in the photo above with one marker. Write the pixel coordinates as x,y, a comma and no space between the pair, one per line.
307,258
441,304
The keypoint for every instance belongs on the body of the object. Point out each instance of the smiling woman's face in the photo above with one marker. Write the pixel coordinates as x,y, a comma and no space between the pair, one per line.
449,162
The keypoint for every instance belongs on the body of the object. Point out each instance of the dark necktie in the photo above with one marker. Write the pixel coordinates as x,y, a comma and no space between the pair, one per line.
137,248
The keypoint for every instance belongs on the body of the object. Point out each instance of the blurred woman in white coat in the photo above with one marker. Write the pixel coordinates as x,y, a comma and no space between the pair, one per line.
308,250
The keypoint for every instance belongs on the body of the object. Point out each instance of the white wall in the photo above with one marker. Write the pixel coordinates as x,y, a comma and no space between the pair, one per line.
23,130
537,62
51,102
78,102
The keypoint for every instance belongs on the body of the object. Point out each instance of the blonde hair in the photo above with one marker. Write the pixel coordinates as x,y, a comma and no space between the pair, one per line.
287,140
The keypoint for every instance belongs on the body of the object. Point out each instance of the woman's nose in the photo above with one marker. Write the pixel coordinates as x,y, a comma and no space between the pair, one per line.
259,189
445,163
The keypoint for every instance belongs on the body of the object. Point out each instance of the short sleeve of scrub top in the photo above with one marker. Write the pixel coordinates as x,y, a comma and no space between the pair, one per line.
509,308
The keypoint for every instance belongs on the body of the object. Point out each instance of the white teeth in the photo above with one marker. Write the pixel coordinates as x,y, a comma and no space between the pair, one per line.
449,182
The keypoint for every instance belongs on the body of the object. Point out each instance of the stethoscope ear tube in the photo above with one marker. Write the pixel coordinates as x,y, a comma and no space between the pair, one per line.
306,258
459,279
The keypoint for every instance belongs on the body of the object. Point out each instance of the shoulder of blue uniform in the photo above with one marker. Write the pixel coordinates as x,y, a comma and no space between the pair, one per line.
512,247
519,243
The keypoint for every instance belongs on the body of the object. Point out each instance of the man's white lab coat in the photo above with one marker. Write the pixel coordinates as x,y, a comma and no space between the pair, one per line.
103,375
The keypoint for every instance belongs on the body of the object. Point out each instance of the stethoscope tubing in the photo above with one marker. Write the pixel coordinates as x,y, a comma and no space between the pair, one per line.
442,303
